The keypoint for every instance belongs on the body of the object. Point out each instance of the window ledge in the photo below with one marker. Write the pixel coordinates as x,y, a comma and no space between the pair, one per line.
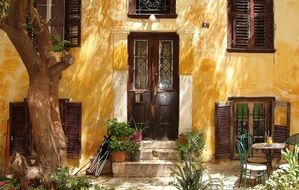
240,50
146,16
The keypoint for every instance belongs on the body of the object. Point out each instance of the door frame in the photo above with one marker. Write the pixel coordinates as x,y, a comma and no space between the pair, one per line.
176,79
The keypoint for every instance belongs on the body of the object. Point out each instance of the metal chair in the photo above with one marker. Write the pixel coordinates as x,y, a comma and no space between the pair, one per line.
249,170
293,140
247,140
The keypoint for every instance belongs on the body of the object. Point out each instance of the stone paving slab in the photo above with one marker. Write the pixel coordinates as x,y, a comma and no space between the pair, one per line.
228,171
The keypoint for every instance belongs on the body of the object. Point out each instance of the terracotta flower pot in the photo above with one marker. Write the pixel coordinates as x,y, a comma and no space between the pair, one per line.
138,136
119,156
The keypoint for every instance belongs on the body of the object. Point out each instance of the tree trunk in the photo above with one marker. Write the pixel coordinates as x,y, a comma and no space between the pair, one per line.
44,76
45,123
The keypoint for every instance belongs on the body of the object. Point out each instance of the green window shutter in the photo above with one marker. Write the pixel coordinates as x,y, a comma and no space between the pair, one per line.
223,123
73,22
72,124
19,127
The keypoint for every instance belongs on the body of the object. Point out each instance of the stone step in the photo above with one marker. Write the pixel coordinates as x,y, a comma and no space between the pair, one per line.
159,154
149,168
152,144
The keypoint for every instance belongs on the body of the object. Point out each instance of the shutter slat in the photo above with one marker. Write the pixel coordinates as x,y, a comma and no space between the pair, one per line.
223,129
72,122
19,133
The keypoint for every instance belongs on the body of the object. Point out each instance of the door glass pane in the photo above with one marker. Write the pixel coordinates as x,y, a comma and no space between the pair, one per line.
153,6
141,64
241,119
165,65
258,122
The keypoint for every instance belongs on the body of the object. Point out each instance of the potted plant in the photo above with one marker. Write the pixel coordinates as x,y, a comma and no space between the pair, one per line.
139,127
192,145
133,150
119,130
118,149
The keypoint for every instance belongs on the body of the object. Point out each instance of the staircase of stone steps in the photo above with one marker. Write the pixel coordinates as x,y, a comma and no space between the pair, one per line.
156,159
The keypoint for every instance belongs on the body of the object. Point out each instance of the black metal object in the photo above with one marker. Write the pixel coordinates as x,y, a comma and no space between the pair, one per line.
99,161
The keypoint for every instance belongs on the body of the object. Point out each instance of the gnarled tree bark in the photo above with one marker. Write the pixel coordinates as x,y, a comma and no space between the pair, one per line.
44,76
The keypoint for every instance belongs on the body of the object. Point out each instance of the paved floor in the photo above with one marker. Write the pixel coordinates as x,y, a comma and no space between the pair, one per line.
228,171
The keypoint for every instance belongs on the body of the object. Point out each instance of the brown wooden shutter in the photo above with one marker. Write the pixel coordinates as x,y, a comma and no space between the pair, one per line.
262,24
19,131
62,102
73,22
41,6
72,122
240,23
223,123
57,16
282,130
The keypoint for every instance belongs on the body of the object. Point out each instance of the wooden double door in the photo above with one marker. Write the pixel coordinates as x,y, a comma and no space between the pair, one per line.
153,83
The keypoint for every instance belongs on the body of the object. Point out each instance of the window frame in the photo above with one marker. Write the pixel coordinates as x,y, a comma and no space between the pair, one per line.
269,36
268,122
132,11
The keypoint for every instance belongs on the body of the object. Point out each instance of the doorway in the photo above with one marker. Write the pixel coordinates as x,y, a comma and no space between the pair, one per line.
153,83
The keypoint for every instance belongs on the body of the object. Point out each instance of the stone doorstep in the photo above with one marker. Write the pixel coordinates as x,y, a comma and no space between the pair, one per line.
152,144
149,168
159,154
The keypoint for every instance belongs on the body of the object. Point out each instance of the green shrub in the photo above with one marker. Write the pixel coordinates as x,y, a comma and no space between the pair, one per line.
194,145
64,181
188,175
284,179
119,129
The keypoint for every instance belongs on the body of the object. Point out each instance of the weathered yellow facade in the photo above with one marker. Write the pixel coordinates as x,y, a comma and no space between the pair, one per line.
207,71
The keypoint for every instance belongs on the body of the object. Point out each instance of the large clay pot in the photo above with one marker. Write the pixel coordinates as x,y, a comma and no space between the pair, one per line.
138,136
119,156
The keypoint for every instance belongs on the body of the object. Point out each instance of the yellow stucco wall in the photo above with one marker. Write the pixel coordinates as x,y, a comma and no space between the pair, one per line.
216,74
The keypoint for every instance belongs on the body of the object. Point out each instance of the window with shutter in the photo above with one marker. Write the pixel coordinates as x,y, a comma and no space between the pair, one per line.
251,26
73,22
72,123
65,18
223,124
19,129
160,8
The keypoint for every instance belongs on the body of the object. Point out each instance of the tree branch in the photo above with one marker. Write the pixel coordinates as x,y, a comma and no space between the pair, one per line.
17,13
24,47
66,61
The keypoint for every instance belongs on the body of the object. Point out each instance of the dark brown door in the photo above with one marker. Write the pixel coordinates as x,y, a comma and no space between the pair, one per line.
153,84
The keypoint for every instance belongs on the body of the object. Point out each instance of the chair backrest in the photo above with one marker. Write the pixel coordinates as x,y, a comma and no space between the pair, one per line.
293,140
242,153
247,140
